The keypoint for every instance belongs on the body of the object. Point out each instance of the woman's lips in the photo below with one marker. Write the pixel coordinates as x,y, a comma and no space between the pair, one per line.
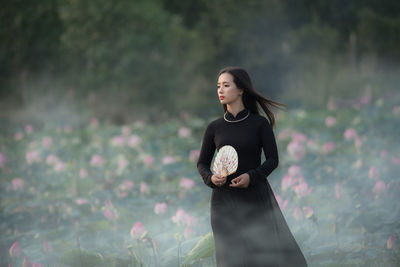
221,97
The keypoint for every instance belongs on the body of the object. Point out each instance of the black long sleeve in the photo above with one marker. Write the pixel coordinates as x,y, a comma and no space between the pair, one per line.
206,154
270,151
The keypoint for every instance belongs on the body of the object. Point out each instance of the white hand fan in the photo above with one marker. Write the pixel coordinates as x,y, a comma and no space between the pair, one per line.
226,161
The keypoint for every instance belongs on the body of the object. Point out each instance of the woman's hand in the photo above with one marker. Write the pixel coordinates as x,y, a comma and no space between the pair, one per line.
218,180
242,181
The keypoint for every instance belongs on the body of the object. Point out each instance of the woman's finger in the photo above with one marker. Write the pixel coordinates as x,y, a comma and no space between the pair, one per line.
235,182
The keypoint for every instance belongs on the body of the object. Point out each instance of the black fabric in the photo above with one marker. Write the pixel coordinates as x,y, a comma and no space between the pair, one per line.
248,226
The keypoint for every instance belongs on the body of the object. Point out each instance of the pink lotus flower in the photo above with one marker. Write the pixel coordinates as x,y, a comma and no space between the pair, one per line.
168,160
134,140
26,262
80,201
294,170
297,214
187,183
328,147
15,250
194,155
296,150
350,133
384,153
395,160
379,188
148,160
299,137
302,189
51,159
94,123
32,156
47,247
17,184
59,166
390,242
287,182
2,160
110,214
18,136
308,212
144,188
373,172
126,185
109,210
137,230
96,160
190,220
188,232
160,207
28,128
181,218
284,134
338,190
47,141
282,204
83,173
330,121
184,132
126,130
122,163
118,140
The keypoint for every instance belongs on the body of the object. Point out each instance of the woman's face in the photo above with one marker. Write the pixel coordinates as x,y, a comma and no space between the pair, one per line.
227,90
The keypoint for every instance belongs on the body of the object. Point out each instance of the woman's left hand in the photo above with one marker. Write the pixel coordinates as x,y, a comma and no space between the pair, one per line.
242,181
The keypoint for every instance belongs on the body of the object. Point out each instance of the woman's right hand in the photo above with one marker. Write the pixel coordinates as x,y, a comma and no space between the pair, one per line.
218,180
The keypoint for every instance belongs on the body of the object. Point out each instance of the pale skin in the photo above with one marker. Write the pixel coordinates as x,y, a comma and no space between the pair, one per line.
234,103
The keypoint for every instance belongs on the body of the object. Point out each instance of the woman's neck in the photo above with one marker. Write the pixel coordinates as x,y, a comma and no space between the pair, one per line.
235,107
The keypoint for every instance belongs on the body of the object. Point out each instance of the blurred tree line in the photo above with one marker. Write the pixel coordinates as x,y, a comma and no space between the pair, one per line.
164,55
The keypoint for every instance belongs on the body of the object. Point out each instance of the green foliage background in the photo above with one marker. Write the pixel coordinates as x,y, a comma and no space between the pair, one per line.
139,58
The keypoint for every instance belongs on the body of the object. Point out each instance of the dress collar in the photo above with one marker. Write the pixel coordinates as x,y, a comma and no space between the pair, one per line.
241,114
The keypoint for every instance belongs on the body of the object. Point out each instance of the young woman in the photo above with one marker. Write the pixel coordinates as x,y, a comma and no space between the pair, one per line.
248,226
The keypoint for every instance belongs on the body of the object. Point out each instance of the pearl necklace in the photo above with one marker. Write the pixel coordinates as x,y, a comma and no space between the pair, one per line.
237,120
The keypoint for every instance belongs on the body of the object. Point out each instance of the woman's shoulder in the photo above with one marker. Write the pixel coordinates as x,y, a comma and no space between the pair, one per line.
259,118
214,122
217,121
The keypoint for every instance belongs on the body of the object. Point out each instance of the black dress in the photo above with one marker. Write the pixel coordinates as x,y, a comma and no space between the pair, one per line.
248,226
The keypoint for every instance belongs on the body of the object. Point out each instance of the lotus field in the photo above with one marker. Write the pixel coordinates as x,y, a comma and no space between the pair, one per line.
96,194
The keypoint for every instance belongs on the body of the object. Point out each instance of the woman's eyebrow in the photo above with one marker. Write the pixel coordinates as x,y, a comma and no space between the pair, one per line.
223,82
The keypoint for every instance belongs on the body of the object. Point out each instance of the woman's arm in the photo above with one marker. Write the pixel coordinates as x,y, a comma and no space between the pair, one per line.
206,154
270,152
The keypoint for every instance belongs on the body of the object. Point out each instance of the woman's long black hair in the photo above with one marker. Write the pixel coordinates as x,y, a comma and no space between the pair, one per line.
250,96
